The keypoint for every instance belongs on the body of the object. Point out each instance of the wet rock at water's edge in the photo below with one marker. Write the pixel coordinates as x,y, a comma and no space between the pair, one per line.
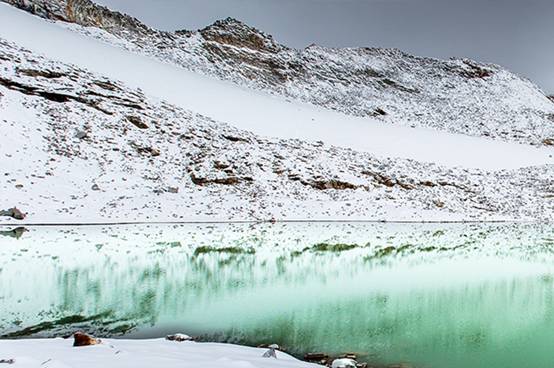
179,337
82,339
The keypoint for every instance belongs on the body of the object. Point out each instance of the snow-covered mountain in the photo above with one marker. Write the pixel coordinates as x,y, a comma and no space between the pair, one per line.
95,128
459,95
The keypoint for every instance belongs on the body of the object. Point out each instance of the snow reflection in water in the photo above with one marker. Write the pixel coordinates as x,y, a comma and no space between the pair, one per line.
432,295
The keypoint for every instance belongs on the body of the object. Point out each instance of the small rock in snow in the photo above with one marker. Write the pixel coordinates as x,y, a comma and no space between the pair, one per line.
7,361
14,213
95,187
173,190
270,353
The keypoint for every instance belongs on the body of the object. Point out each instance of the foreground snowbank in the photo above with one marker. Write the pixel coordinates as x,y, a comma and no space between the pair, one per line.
60,353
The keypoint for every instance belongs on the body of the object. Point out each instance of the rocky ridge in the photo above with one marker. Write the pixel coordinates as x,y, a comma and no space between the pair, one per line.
458,95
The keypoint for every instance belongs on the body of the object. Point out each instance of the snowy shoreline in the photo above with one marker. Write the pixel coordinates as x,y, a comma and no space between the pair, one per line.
60,353
215,222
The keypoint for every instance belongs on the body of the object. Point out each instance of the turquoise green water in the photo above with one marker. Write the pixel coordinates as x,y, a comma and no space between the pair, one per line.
432,296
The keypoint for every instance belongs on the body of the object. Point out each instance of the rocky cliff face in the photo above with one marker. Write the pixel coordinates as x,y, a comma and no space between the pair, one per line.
460,96
85,13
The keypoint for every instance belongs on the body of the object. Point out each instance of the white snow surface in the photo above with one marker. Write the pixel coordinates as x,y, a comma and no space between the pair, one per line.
59,353
260,113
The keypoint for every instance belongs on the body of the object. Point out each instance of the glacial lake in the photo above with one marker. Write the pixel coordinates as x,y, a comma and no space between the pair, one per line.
430,295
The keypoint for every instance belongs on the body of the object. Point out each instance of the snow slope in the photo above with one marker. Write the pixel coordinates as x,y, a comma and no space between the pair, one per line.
263,114
78,147
59,353
457,95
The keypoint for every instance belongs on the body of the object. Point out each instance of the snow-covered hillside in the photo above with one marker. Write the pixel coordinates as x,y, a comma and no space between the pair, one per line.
80,147
261,113
459,96
92,132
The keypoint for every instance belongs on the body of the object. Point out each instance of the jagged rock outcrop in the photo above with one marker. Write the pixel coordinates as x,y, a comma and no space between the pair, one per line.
85,13
458,95
233,32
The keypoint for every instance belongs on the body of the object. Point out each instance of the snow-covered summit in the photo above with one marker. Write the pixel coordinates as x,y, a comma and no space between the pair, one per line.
458,95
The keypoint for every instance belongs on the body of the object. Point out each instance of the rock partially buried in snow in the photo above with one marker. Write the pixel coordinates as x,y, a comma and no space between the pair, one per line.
173,190
137,121
82,339
270,353
13,213
179,337
80,134
344,363
7,361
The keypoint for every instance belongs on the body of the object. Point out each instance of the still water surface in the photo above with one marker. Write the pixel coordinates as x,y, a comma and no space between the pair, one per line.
444,296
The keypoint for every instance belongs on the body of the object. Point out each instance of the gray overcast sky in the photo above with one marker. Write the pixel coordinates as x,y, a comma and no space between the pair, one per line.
516,34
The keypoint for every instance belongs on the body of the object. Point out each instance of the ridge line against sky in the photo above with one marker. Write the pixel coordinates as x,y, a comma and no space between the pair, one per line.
514,34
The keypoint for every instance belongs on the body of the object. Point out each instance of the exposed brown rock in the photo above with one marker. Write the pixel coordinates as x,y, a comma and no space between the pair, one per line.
173,190
313,357
428,183
473,70
153,152
221,165
235,139
230,180
13,213
330,184
49,95
107,85
389,182
82,339
41,73
137,121
235,33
